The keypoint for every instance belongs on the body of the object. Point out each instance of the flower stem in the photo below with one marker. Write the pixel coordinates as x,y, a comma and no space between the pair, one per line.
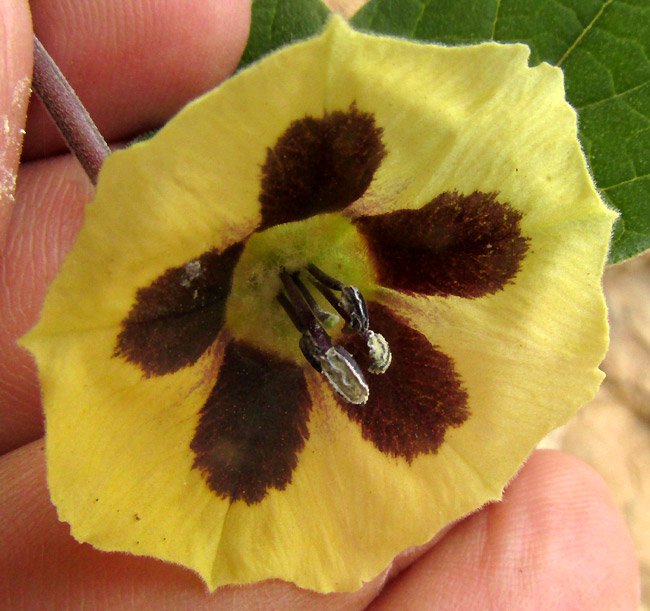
77,128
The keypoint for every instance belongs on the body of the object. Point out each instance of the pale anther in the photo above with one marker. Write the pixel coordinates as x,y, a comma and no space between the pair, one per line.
380,355
344,375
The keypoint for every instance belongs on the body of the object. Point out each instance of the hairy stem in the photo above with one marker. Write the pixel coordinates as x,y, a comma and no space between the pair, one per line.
77,128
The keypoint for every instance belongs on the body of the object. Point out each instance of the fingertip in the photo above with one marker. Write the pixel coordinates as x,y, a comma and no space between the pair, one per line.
135,63
556,540
51,196
591,550
15,73
42,566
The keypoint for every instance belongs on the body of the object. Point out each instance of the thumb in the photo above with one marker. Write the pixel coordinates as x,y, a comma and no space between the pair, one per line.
15,77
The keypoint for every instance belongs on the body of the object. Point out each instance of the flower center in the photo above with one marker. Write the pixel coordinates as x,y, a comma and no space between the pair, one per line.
333,361
283,302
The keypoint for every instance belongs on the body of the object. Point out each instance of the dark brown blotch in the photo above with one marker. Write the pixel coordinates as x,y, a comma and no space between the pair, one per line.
320,165
419,397
463,245
177,317
253,425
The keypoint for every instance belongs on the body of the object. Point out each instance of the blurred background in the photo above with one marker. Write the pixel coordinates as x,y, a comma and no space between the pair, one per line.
612,432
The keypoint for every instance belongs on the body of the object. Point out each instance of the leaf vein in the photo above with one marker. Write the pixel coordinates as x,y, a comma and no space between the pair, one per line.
424,4
496,18
584,32
273,17
625,182
616,96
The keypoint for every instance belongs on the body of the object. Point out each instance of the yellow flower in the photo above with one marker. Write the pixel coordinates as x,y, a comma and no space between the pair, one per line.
198,411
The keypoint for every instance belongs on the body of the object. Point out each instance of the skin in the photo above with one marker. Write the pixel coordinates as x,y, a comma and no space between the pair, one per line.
555,541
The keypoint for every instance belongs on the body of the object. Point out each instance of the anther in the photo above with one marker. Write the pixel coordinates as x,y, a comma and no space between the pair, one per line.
352,308
344,375
379,352
310,351
354,304
334,362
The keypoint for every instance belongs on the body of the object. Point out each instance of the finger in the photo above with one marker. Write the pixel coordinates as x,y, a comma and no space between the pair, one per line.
50,198
15,71
555,542
134,63
42,566
52,195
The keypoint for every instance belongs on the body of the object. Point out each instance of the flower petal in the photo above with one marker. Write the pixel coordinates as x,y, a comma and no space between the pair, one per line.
249,435
417,399
320,165
452,120
464,245
176,318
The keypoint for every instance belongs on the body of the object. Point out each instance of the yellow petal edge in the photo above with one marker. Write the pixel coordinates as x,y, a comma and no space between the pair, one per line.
465,118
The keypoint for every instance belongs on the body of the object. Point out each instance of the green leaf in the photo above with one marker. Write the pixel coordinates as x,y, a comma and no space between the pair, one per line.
276,23
603,47
447,21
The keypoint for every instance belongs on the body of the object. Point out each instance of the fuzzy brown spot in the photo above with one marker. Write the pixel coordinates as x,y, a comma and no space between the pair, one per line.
253,425
178,316
463,245
419,397
320,165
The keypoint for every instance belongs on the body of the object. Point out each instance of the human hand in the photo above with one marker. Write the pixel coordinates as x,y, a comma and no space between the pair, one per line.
556,541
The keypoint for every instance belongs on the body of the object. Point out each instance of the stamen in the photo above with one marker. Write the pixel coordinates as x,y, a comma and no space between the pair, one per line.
308,321
331,298
307,345
355,305
311,352
352,308
321,276
344,375
380,355
326,318
336,363
291,312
